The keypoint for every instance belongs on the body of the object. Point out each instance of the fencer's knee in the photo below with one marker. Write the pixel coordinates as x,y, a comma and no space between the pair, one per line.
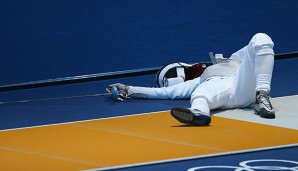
261,39
262,44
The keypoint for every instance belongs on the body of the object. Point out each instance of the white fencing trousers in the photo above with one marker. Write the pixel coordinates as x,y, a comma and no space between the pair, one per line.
236,91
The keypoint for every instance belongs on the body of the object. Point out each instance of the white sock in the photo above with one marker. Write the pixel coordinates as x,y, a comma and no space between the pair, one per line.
264,63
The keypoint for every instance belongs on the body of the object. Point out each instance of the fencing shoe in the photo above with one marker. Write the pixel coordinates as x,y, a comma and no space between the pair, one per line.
188,117
119,92
263,106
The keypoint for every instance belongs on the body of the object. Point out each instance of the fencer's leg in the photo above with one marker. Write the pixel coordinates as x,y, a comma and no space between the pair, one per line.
212,94
264,63
178,91
209,95
254,75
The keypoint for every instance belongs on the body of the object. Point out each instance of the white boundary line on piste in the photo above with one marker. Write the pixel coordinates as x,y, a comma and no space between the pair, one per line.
89,120
192,158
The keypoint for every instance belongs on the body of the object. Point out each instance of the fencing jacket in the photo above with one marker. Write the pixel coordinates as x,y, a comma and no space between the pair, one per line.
225,68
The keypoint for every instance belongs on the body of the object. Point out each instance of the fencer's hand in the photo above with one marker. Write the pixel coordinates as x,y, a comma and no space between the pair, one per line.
119,86
118,91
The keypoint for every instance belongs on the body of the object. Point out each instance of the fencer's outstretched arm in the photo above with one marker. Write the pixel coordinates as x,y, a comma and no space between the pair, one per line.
178,91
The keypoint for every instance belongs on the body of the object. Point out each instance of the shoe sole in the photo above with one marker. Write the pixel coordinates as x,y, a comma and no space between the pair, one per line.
182,115
185,116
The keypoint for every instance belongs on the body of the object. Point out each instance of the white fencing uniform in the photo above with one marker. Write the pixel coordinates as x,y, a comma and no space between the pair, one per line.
231,84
